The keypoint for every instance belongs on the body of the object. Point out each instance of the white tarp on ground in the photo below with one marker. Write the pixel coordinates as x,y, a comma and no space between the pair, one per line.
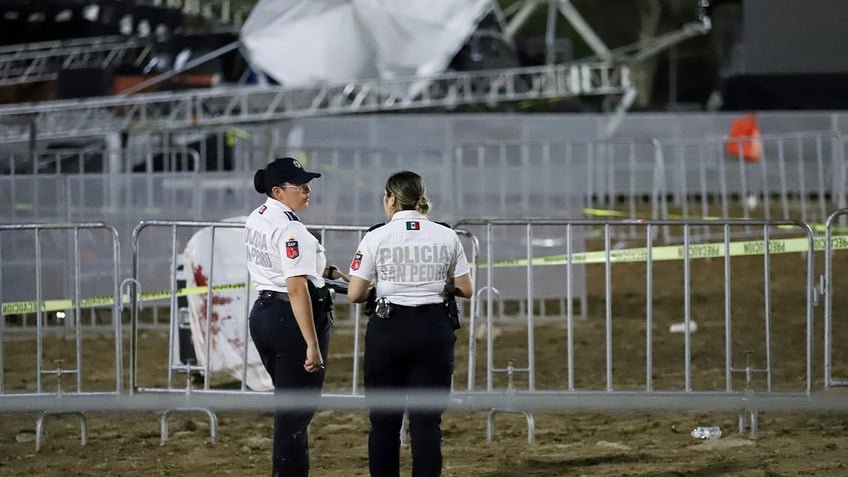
328,42
228,325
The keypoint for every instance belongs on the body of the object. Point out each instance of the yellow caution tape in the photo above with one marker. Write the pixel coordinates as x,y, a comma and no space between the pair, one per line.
618,213
639,254
677,252
21,307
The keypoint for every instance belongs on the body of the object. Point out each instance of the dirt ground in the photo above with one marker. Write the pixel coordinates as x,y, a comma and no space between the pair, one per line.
578,443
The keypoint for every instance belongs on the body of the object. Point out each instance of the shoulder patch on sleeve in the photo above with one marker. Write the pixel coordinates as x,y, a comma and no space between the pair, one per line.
357,260
292,249
376,226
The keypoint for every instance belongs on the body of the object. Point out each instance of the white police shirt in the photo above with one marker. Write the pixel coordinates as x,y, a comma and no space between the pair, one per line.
411,257
279,247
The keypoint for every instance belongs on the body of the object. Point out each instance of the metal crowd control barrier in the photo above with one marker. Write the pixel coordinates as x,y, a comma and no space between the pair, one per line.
177,234
65,264
772,373
831,243
745,329
170,281
97,160
797,175
330,235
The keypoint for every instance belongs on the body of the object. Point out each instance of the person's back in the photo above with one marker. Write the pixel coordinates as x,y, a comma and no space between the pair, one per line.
414,258
409,343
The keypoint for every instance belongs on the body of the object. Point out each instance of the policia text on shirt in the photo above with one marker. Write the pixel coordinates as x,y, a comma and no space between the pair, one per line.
257,243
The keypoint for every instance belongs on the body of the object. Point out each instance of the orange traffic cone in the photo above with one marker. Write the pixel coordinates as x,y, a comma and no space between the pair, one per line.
744,139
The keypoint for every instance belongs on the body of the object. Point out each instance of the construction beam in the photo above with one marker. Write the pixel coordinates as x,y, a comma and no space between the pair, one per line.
583,29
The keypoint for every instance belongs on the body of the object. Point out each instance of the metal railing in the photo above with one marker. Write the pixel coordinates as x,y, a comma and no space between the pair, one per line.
773,371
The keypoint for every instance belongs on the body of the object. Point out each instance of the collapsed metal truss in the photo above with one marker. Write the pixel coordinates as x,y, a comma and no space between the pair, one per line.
71,118
606,74
42,61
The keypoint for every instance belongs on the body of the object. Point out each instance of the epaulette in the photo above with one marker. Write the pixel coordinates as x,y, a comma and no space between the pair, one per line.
376,226
292,216
443,224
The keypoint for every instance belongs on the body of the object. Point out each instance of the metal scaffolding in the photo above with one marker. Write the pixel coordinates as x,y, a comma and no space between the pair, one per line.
42,61
245,104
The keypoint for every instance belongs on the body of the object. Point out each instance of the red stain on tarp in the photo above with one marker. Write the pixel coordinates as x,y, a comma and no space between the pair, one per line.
214,328
202,280
199,278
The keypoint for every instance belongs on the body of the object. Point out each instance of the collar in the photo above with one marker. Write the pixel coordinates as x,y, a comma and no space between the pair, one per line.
269,202
408,215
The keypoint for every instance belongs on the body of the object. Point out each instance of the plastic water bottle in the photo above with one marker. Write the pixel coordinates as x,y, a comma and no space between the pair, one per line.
710,432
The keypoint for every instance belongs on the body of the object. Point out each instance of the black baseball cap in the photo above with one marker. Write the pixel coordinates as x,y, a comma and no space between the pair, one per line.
280,170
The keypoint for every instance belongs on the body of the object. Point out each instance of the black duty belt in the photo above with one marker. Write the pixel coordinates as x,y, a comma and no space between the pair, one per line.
273,295
419,307
384,311
283,296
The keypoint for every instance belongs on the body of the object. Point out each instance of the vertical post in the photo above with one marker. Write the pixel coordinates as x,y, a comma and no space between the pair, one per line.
33,145
550,34
672,77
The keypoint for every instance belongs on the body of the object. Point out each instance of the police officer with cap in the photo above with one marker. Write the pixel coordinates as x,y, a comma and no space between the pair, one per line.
290,321
416,267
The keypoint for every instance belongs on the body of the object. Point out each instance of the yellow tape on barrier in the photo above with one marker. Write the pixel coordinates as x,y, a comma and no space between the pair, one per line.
617,213
677,252
639,254
21,307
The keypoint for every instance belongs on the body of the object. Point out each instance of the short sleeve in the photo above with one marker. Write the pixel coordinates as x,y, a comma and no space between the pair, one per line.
363,264
460,265
298,250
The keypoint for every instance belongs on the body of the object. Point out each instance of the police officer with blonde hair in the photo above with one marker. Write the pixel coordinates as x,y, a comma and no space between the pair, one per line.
291,319
416,267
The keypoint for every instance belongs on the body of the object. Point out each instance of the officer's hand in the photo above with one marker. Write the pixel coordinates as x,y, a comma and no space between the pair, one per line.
334,273
314,362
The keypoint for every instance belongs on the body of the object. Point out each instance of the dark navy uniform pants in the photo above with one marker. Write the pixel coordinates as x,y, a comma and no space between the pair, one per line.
283,350
412,349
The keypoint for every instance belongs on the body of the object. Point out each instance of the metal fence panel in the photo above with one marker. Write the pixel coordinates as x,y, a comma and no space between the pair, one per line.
72,272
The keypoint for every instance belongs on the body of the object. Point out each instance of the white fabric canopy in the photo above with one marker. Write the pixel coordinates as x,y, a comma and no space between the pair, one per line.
303,43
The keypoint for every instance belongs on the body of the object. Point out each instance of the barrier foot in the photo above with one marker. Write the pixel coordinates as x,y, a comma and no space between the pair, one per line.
404,424
753,415
39,425
531,424
213,423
